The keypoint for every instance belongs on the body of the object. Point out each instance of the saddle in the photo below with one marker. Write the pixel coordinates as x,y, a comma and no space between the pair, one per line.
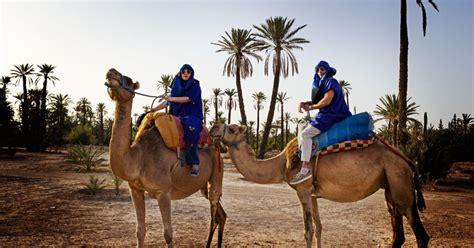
171,130
354,132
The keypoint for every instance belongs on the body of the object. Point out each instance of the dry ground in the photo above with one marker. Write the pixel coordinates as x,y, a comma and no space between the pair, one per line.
42,204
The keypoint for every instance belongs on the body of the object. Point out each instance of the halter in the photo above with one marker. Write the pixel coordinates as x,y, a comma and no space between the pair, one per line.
131,90
232,143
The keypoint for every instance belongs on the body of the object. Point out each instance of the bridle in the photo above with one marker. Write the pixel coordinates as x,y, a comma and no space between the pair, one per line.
231,143
122,86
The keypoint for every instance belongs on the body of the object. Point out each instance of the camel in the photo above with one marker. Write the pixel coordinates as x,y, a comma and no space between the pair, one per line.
341,177
147,165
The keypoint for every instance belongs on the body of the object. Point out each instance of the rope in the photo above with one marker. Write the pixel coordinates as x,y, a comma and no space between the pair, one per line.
134,92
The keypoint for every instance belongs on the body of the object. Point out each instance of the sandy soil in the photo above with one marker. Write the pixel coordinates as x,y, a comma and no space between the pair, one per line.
42,203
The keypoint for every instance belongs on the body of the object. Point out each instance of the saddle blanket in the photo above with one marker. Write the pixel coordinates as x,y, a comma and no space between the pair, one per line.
171,130
352,131
346,146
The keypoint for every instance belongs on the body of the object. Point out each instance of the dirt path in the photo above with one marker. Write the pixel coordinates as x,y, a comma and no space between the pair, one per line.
42,204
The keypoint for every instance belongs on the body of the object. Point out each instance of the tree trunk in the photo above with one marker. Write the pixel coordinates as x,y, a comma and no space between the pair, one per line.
271,110
347,97
25,114
241,97
44,93
258,126
216,102
403,75
282,129
230,109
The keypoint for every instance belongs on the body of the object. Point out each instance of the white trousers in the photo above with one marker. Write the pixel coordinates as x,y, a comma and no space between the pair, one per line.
305,139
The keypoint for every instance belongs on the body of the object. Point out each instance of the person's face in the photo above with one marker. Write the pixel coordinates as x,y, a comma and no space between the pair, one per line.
186,74
321,70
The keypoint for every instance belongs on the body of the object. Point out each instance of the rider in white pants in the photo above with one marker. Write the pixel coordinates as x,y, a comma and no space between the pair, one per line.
328,98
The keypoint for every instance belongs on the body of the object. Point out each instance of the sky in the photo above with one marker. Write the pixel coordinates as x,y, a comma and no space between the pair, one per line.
145,39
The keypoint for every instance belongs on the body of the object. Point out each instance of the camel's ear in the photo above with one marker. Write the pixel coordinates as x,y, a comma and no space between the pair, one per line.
136,85
243,129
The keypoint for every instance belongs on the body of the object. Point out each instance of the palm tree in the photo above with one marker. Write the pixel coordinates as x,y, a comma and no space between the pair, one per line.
231,103
206,109
403,72
5,81
287,129
281,98
296,121
276,38
346,88
59,112
217,101
259,98
388,110
241,46
21,73
101,112
84,113
45,72
165,83
466,120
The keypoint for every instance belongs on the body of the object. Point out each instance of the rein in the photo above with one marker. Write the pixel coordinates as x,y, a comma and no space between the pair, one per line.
132,91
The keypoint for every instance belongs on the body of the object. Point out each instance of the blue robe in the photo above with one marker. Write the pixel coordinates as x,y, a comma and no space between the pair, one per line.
190,113
337,110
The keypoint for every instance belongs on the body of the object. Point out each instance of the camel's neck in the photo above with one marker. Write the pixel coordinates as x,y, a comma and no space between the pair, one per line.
264,171
120,139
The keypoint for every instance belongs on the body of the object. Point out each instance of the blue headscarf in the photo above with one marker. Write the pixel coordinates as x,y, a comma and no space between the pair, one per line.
330,71
179,88
179,85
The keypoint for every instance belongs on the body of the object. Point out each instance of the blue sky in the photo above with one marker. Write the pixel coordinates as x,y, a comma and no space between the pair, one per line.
146,39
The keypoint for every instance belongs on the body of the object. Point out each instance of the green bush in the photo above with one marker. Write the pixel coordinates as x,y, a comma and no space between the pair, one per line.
81,134
117,182
95,185
87,156
445,147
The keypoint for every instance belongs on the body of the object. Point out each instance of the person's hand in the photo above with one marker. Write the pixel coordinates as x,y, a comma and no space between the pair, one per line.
167,98
300,105
307,107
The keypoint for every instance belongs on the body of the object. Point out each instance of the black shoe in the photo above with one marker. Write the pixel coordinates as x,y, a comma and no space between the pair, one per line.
194,172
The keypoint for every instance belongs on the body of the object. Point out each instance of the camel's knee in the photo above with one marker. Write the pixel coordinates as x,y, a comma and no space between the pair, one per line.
168,236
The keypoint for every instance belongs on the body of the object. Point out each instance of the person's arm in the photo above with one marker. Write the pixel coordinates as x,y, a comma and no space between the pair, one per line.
160,106
327,98
178,99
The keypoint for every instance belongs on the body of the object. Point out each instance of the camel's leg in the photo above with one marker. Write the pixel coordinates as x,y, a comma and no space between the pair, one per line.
317,221
138,198
213,224
422,238
221,218
214,191
164,201
306,204
397,221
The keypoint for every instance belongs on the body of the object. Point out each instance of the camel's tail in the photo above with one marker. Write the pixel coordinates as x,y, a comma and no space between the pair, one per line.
420,200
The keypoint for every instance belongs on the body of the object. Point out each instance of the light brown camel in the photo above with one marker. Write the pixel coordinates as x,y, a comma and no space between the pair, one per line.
341,177
147,165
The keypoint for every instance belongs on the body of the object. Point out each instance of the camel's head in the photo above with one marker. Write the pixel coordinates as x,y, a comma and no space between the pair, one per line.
120,88
228,134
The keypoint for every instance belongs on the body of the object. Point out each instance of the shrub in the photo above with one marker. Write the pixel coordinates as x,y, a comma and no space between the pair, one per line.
117,182
87,156
81,134
95,185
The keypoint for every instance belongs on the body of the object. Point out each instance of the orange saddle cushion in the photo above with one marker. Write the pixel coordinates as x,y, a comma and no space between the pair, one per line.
171,130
